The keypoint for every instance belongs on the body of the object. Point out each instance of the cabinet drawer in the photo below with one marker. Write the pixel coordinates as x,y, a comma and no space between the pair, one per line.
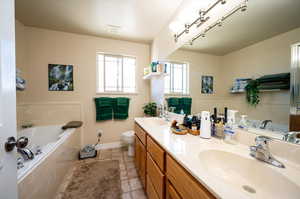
151,193
156,176
184,183
140,133
171,192
156,152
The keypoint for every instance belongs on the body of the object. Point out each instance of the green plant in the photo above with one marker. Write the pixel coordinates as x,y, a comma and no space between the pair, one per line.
150,109
252,92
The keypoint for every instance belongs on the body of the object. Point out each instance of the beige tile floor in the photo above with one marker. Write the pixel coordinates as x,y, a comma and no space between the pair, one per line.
130,183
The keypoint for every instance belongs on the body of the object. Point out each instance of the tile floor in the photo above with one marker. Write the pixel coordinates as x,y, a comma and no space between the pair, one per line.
130,183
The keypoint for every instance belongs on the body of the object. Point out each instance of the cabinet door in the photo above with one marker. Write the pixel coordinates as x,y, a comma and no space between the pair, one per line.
156,177
142,170
137,155
171,192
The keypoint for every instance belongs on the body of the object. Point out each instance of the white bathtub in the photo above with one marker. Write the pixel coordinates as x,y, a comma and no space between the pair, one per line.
59,148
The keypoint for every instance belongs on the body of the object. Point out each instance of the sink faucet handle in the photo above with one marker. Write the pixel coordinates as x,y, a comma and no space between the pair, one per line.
262,140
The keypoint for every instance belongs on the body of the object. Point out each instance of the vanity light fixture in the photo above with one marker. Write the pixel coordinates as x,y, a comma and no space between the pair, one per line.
219,22
187,27
200,20
244,6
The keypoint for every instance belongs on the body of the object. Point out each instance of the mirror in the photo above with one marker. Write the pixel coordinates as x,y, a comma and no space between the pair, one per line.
250,48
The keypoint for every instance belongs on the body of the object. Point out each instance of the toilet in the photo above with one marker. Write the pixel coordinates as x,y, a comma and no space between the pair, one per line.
128,138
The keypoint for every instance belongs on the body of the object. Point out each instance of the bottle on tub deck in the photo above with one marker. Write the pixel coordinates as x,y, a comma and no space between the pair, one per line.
230,126
205,127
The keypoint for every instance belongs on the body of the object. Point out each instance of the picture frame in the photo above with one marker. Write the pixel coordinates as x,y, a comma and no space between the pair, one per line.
60,77
207,84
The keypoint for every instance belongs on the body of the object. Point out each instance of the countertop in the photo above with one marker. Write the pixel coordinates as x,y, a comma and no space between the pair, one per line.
185,149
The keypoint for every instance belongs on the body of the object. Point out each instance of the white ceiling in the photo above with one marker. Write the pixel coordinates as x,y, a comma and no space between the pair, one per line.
263,19
139,20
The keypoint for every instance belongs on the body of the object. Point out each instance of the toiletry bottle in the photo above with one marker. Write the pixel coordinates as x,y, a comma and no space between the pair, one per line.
243,122
194,123
229,128
213,122
181,112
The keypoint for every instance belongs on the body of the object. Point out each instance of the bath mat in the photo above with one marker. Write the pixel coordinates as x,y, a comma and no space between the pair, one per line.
94,180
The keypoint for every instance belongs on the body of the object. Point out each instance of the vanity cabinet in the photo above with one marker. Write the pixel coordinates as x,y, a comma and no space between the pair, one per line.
162,176
186,186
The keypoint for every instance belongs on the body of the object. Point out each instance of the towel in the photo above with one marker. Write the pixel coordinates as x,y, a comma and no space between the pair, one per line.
104,108
121,107
174,102
186,105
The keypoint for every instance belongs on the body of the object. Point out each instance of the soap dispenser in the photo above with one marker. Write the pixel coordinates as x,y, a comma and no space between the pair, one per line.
205,128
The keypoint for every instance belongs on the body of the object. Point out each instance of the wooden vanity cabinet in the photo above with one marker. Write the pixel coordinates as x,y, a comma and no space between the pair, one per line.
161,176
186,185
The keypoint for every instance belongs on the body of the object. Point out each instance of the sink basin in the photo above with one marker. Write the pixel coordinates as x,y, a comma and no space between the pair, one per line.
250,175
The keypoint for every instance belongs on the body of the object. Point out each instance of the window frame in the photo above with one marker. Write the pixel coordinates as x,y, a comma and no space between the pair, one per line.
98,76
171,82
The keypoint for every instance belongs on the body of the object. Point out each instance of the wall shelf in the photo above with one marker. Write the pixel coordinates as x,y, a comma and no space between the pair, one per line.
154,74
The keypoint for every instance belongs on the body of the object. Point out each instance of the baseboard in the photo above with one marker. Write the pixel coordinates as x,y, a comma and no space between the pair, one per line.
111,145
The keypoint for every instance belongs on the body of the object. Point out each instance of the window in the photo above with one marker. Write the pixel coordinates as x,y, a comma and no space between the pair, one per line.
177,81
115,73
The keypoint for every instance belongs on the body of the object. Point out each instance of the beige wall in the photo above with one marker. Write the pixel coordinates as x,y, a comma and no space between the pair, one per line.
201,64
267,57
43,47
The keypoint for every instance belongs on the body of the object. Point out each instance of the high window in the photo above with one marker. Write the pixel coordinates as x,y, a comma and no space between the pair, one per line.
115,73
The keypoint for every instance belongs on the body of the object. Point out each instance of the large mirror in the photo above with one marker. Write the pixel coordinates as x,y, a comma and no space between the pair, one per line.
245,64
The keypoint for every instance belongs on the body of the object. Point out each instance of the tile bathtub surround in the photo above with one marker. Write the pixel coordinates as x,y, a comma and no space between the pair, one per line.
130,183
44,180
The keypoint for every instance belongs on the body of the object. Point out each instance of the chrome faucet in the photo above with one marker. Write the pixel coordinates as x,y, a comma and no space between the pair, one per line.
261,151
264,124
26,153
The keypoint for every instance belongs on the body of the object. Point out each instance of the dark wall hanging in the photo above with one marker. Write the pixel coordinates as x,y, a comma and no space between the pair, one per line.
207,86
60,77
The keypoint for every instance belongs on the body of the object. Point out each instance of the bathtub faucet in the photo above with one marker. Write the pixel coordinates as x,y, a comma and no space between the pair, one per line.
26,153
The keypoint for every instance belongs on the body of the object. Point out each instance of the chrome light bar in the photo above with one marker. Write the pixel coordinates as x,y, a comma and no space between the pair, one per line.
219,22
200,20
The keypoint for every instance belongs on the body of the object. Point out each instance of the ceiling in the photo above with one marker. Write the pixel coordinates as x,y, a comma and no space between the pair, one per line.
133,20
263,19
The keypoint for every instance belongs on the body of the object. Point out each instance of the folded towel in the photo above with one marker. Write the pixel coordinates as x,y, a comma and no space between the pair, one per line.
173,101
122,101
186,101
104,108
121,107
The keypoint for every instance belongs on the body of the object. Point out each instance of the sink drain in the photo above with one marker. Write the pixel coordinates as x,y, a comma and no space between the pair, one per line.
249,189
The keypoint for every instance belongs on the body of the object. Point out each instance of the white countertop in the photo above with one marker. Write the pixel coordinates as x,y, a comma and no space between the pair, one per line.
186,149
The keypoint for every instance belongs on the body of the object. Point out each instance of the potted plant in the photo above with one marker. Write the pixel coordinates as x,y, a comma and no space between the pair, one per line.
252,92
150,109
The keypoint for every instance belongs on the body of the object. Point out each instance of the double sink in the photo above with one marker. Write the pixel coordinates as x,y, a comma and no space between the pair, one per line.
235,168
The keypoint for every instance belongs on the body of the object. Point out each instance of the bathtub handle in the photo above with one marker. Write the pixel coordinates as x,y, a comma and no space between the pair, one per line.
11,143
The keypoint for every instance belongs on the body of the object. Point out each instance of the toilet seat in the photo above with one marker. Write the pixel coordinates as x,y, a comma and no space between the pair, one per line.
128,134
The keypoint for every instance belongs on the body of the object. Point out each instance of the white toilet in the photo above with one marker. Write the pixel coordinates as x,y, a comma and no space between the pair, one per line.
128,138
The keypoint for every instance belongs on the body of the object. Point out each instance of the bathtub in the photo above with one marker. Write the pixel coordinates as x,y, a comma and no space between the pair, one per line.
43,175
